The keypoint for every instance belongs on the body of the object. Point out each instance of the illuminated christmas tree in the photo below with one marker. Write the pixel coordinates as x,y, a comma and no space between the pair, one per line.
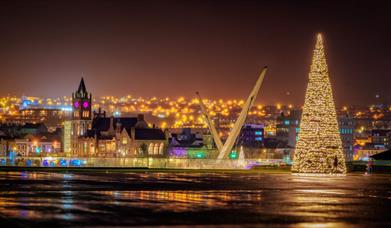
319,147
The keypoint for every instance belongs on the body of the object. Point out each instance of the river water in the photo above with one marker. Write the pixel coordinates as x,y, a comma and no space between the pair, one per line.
188,199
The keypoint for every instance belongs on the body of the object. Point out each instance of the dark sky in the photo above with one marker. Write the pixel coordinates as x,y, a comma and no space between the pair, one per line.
173,48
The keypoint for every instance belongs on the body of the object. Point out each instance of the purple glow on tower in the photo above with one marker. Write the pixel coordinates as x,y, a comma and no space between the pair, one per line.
85,104
77,104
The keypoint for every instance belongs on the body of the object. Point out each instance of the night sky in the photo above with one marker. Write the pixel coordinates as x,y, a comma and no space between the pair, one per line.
173,48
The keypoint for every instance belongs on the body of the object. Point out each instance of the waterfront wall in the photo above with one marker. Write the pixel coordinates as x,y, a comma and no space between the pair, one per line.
159,163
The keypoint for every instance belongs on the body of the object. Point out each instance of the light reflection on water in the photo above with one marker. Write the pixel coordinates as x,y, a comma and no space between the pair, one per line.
46,207
183,200
323,225
168,198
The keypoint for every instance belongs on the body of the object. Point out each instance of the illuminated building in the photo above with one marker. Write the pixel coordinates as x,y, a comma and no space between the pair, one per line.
31,145
51,117
381,137
287,127
122,137
7,143
67,137
319,147
38,145
81,115
346,125
251,135
103,136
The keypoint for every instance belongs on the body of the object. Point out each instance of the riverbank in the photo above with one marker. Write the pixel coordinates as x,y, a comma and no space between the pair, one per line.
266,169
141,170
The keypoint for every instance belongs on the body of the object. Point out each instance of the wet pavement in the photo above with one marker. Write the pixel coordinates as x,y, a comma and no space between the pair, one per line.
144,199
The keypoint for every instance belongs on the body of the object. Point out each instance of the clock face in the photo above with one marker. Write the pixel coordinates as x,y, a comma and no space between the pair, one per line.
86,104
76,104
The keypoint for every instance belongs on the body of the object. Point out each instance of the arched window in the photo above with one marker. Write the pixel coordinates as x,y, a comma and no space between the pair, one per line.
156,149
161,148
150,148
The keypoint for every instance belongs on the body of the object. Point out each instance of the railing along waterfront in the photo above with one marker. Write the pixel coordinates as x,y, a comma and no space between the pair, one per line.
140,162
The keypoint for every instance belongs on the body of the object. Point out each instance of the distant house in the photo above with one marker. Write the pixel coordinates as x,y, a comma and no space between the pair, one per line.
43,144
31,145
251,135
7,143
186,139
33,128
381,137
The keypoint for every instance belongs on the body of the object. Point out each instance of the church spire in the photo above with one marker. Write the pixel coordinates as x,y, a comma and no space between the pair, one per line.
82,91
82,86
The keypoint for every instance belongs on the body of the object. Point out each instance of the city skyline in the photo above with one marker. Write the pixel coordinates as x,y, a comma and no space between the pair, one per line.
195,113
170,51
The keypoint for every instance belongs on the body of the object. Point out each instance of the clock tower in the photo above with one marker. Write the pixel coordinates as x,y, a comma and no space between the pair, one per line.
81,114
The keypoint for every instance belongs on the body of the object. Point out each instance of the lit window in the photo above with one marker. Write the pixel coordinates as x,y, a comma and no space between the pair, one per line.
161,148
156,149
124,140
86,114
150,148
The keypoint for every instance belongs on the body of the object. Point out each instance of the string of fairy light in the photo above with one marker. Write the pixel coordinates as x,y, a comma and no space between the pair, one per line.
319,147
